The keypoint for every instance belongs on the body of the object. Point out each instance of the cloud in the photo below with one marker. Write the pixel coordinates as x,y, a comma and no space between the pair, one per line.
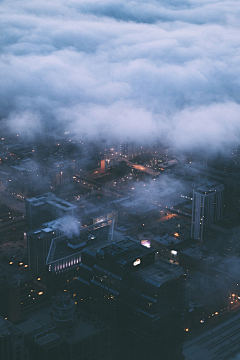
143,69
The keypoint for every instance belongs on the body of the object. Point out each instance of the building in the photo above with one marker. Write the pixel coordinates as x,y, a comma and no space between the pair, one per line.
223,236
140,298
206,208
38,244
47,207
11,342
64,256
17,291
59,332
138,212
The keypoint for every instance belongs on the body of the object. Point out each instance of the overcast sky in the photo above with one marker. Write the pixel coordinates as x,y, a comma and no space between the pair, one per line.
167,70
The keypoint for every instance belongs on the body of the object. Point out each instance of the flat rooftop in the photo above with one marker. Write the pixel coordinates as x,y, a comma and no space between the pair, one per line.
138,206
42,322
161,271
210,187
196,253
61,204
204,289
42,197
166,240
75,245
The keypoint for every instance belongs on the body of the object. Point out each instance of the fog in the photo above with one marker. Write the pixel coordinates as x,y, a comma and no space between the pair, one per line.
149,69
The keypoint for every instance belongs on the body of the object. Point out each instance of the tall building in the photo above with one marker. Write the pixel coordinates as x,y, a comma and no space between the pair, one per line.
39,241
206,207
11,342
47,207
140,298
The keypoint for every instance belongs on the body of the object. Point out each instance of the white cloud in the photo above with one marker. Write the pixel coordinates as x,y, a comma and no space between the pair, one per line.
143,68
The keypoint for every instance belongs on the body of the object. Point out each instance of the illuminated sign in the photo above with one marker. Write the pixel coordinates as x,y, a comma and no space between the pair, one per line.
137,262
146,243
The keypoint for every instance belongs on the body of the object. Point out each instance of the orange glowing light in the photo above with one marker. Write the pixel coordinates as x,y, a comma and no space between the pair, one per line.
40,293
176,234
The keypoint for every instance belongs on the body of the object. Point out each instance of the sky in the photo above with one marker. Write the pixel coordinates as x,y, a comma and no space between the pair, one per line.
141,70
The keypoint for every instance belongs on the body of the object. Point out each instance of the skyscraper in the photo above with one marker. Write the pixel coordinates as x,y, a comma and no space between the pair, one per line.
206,207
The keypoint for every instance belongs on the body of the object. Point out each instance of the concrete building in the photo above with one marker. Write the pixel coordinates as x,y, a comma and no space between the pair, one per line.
206,208
64,257
142,300
38,244
223,236
57,332
17,291
47,207
11,342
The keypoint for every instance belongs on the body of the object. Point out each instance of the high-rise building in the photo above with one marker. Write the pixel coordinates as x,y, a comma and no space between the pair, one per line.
38,244
206,207
140,298
47,207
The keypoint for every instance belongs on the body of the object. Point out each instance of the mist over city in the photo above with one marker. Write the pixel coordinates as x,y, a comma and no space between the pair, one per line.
119,180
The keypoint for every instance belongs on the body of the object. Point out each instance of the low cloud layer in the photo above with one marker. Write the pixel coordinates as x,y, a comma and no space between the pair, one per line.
166,70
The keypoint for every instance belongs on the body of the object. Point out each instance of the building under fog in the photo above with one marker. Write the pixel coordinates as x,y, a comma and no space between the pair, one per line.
47,207
206,207
64,256
38,244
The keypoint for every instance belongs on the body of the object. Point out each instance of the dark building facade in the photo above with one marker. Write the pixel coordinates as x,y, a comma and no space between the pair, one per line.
58,332
142,299
11,342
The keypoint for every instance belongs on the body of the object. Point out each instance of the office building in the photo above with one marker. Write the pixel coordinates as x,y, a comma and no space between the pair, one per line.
38,244
47,207
206,208
140,298
64,256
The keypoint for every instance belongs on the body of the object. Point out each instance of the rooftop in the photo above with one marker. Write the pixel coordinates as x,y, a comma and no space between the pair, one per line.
87,237
41,322
161,271
167,240
210,187
138,205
